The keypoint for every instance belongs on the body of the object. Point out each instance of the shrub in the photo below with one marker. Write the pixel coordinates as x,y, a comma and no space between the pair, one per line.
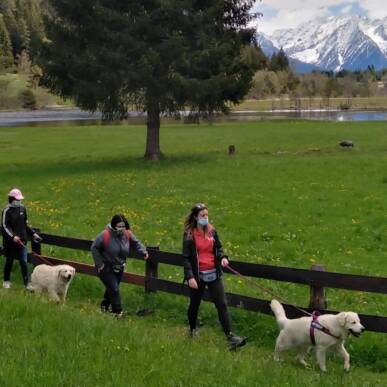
28,99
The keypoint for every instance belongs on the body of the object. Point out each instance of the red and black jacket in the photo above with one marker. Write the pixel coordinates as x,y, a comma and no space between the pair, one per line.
190,255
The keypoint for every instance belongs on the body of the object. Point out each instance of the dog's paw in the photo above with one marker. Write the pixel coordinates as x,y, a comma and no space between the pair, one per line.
277,359
347,366
304,363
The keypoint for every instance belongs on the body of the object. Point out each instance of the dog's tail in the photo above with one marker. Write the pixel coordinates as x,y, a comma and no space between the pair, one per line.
279,313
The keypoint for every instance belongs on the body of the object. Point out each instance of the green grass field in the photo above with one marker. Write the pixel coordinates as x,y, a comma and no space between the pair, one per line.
289,197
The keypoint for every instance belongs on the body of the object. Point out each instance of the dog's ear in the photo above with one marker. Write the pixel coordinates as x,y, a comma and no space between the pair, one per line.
342,318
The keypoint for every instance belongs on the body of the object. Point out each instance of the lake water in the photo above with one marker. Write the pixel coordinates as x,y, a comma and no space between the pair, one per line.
79,117
331,115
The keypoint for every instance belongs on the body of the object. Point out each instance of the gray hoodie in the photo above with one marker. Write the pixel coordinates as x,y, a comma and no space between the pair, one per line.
117,250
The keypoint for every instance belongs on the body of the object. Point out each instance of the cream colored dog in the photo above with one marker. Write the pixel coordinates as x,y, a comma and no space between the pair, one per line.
295,333
53,279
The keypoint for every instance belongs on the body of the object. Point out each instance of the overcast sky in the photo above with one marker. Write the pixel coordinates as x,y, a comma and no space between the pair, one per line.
290,13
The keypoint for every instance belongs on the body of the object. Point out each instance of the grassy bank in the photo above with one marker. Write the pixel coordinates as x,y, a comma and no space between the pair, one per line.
357,103
290,196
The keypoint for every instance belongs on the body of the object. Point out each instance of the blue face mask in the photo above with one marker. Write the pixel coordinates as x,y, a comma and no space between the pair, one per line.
203,221
16,203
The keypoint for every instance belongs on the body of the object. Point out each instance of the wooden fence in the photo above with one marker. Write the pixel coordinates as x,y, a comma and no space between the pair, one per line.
151,282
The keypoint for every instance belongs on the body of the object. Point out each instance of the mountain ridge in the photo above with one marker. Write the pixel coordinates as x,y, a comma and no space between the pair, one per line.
332,44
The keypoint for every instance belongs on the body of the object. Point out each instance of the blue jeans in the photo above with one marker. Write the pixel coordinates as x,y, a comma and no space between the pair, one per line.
23,265
111,279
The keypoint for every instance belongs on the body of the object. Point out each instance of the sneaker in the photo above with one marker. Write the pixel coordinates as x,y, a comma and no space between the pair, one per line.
105,307
235,341
29,287
119,314
193,333
6,284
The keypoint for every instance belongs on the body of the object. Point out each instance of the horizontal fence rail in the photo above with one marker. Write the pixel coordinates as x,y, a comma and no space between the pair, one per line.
371,323
300,276
286,274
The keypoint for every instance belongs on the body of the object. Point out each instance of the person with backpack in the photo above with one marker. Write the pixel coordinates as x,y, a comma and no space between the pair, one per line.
16,232
203,261
110,250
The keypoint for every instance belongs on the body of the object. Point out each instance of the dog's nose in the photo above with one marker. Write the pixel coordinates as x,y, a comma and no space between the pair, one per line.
363,329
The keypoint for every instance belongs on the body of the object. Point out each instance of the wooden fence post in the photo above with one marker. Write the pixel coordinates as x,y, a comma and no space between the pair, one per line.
317,293
36,247
231,150
151,271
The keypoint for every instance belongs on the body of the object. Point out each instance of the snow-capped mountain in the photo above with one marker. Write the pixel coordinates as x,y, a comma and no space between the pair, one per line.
334,43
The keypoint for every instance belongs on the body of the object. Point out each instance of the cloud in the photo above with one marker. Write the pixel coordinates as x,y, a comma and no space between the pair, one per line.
279,14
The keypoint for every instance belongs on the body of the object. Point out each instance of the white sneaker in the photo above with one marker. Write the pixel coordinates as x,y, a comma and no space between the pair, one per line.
30,287
6,284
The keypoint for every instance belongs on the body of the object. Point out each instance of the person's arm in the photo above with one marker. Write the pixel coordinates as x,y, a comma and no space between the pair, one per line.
30,230
6,223
138,246
96,252
187,252
187,256
220,255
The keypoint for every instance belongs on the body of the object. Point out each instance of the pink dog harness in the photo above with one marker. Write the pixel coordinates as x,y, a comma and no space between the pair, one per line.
315,324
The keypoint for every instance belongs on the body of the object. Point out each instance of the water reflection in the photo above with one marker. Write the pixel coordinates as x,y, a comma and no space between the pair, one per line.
79,117
331,115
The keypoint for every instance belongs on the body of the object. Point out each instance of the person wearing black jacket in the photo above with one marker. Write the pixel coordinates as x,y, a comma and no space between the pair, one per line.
203,261
16,232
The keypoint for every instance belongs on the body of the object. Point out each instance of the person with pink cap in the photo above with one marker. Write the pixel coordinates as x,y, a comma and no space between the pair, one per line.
16,232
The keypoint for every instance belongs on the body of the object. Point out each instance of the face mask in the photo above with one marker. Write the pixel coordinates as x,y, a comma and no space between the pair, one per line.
16,203
120,231
203,221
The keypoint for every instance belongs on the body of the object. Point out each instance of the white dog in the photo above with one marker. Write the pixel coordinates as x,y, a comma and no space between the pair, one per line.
297,333
53,279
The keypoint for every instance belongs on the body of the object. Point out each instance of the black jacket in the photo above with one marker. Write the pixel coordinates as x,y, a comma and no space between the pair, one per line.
14,223
190,255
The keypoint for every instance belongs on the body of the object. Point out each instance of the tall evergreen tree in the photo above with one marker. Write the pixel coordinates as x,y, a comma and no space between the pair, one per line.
279,61
160,55
6,57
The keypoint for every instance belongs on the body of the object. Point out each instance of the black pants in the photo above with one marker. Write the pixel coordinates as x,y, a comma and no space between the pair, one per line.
23,265
111,279
218,296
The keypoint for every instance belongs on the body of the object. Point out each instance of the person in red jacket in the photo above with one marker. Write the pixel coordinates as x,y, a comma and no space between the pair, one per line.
203,261
16,232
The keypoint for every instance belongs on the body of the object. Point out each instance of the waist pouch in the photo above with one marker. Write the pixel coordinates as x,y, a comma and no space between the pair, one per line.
117,268
208,275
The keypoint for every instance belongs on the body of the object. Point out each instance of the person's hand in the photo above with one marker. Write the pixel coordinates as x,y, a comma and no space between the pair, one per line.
146,255
192,283
224,262
17,240
37,238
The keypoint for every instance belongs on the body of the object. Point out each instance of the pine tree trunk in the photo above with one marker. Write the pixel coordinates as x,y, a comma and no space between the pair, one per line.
152,151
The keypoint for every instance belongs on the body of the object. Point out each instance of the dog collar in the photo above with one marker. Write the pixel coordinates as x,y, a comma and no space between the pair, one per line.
315,324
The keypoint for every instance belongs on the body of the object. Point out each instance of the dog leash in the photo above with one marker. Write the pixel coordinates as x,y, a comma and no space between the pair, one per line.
266,290
315,324
36,254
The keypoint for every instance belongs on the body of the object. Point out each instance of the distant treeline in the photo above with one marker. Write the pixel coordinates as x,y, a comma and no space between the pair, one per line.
275,78
21,29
